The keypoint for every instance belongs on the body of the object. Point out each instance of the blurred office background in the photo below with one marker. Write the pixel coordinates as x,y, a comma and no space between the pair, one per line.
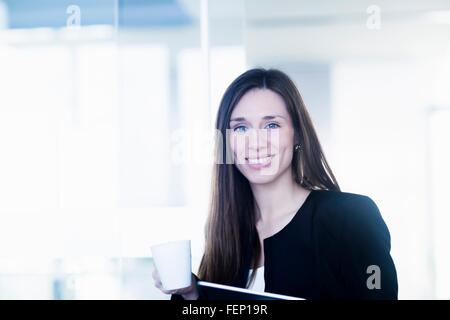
106,115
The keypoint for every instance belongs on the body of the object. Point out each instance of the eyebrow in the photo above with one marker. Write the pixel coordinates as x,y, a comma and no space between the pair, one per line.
264,118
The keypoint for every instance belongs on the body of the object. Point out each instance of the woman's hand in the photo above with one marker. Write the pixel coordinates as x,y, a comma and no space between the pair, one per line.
188,293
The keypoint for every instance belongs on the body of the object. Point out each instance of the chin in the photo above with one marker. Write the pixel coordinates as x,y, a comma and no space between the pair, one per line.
260,179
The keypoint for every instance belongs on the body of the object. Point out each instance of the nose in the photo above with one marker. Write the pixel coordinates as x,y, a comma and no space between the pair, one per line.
258,142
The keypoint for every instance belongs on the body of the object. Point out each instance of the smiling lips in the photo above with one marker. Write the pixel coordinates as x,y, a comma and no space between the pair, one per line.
258,163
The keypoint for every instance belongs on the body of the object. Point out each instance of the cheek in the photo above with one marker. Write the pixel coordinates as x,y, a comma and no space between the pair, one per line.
238,145
282,141
283,148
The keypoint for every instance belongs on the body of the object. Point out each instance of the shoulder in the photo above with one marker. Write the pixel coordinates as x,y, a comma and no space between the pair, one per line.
337,210
340,198
328,201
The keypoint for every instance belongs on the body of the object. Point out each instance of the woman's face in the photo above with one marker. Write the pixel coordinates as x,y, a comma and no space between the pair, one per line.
261,136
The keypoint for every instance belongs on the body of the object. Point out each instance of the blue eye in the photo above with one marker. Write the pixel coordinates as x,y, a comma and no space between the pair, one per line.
277,126
237,129
243,129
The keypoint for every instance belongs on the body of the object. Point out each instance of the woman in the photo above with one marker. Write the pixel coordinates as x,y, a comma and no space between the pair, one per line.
278,220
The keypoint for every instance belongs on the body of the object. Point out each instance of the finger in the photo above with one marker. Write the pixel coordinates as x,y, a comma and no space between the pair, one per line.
186,289
183,290
169,291
155,274
160,287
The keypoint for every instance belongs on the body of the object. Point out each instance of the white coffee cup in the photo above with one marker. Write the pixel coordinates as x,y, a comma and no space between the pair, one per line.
173,262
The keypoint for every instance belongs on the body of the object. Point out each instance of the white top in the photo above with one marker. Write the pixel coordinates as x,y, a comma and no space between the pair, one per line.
259,283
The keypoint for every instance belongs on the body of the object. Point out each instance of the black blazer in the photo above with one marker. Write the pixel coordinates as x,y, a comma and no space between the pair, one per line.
337,246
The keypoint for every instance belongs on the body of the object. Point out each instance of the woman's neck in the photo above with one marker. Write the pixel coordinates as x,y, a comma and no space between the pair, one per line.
279,197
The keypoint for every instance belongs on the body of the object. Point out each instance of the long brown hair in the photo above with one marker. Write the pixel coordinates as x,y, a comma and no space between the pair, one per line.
231,223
